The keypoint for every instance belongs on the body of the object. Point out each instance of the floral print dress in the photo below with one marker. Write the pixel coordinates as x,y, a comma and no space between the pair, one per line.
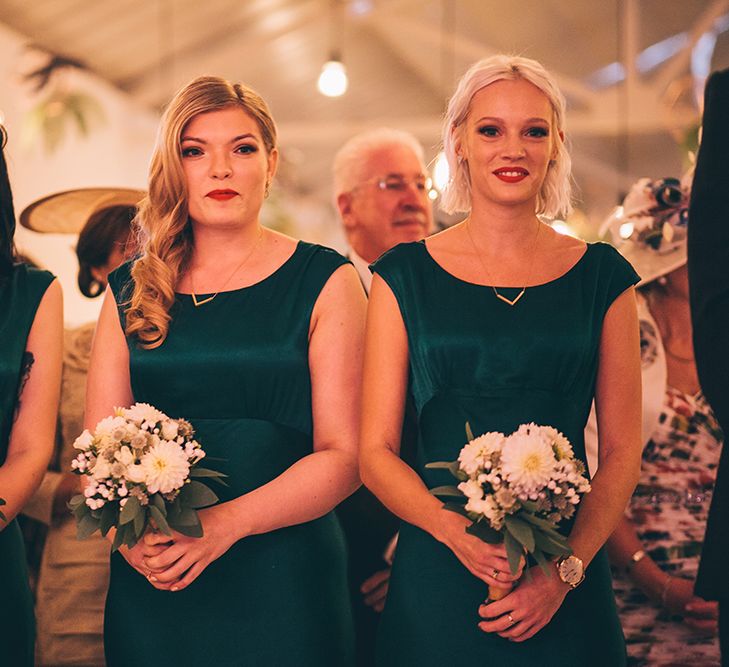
669,510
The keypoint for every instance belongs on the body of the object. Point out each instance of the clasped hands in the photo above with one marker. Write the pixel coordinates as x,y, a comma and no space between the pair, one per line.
528,607
173,562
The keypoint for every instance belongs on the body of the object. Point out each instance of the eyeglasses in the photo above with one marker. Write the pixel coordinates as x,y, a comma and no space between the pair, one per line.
399,183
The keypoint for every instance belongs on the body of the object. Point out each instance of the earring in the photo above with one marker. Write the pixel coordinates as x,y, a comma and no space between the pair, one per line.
3,136
267,189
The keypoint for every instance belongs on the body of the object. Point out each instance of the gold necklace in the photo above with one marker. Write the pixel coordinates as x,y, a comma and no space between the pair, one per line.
202,302
515,300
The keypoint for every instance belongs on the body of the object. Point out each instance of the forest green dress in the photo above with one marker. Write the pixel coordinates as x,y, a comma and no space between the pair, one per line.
476,359
238,369
20,295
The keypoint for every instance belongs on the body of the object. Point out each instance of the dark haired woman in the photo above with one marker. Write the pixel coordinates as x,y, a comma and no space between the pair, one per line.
74,575
31,320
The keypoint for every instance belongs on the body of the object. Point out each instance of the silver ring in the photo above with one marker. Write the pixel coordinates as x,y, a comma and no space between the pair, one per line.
511,619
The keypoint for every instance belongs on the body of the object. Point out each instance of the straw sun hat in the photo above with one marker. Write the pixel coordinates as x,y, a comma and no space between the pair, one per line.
67,212
649,229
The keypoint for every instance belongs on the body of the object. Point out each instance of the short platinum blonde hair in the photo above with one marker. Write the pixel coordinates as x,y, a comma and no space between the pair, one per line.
351,159
555,195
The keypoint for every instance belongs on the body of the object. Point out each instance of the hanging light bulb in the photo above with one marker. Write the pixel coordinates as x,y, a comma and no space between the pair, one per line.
333,79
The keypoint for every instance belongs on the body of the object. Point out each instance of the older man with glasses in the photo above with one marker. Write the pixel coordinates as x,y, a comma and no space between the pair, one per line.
381,190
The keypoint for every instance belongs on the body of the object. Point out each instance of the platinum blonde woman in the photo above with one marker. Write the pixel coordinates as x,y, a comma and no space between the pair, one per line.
256,339
500,321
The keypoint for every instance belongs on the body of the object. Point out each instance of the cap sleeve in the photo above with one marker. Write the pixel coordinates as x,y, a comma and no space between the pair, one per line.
617,273
395,267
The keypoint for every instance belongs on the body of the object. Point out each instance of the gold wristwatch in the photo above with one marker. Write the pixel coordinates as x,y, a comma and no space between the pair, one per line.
571,570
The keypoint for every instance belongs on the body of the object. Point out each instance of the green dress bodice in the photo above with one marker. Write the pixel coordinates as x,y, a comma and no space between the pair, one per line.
20,295
237,367
474,358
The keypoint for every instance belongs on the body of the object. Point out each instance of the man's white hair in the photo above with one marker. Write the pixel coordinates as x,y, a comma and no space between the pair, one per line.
351,159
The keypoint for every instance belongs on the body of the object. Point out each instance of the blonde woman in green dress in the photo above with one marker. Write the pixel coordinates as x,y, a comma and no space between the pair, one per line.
500,321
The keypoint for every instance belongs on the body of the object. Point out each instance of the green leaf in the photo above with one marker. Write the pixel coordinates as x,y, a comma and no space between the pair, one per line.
119,537
131,508
551,545
140,523
439,464
86,527
72,504
159,502
547,527
450,491
458,508
130,539
521,531
189,523
211,474
469,432
514,551
159,519
543,562
485,533
80,509
196,494
109,517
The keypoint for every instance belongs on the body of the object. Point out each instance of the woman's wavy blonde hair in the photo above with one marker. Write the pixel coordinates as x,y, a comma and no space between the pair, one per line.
555,195
163,220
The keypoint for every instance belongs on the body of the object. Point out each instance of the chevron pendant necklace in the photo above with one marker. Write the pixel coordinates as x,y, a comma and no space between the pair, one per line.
201,302
506,300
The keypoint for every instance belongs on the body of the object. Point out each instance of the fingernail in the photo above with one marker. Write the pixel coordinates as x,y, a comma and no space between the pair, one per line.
174,588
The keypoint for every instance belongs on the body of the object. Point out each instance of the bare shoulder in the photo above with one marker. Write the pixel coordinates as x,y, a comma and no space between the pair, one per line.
445,239
277,244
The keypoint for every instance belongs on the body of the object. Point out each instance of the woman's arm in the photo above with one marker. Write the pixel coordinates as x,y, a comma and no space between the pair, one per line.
618,406
108,385
396,484
315,484
673,593
32,435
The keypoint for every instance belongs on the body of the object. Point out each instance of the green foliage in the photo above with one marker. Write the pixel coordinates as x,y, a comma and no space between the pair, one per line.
484,532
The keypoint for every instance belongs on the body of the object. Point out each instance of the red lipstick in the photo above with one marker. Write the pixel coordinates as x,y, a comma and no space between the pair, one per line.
511,174
222,195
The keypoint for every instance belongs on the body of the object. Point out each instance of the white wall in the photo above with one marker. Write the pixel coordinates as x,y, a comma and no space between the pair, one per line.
115,153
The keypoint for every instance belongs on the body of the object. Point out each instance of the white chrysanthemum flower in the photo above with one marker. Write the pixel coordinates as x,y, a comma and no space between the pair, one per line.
166,467
108,425
473,455
144,412
84,441
560,444
527,462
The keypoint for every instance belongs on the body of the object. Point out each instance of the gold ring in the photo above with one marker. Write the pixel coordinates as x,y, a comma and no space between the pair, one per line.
495,574
511,619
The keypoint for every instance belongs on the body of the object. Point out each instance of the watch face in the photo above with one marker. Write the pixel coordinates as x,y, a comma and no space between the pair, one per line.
570,570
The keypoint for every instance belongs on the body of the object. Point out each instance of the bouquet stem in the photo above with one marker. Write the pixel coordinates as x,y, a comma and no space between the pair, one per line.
497,593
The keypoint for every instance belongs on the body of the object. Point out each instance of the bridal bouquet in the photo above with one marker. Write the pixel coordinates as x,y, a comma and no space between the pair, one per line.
518,488
141,466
